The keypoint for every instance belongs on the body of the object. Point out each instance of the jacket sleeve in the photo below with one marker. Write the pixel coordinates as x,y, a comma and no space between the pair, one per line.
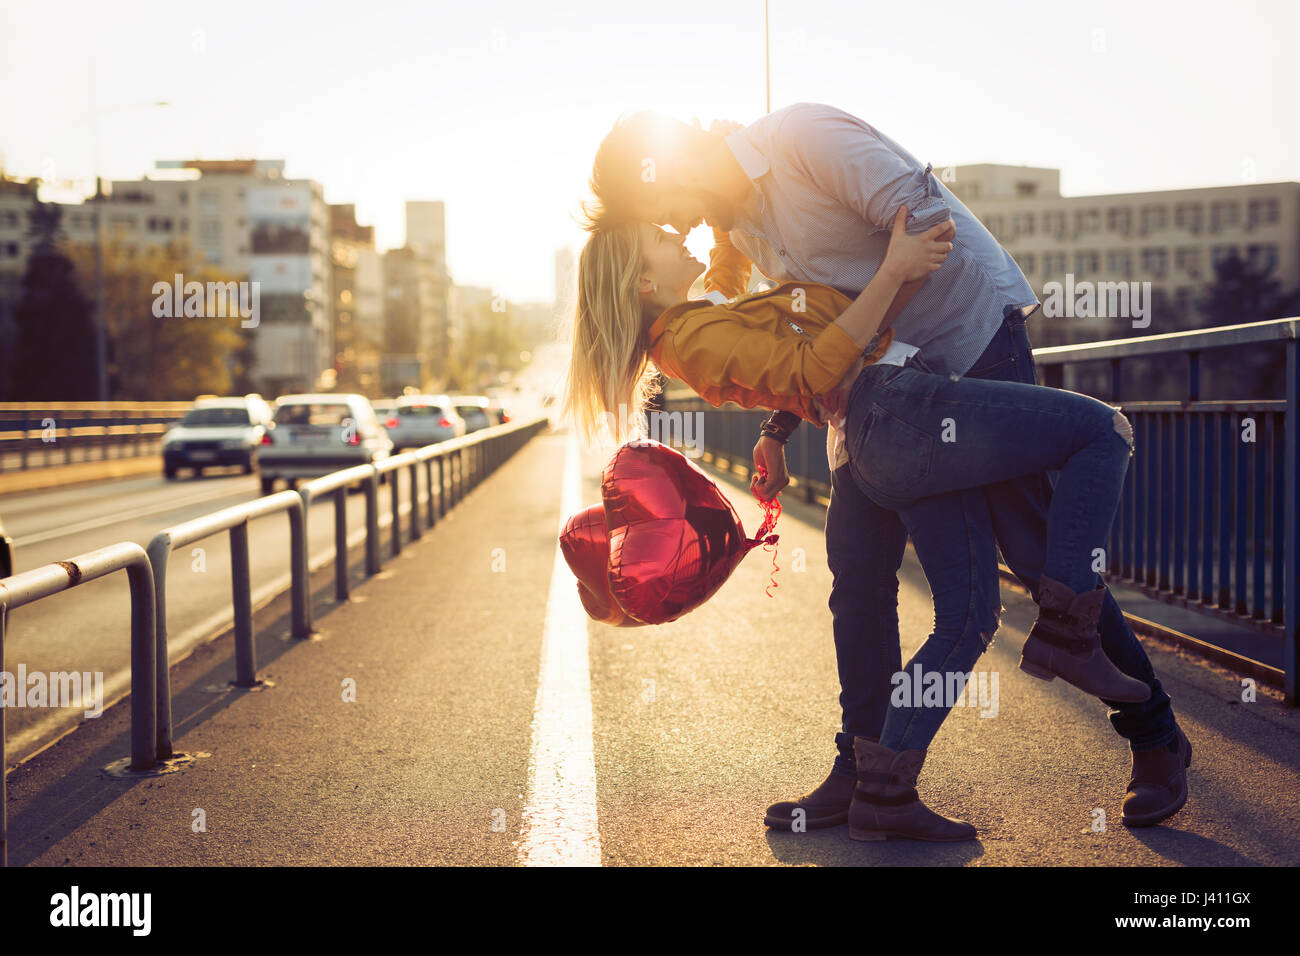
714,351
846,159
729,268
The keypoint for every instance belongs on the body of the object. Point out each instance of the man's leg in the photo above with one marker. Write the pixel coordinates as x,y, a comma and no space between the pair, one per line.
864,548
1019,508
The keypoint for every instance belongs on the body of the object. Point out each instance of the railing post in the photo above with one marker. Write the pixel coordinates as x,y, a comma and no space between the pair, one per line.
159,552
300,585
394,477
1291,612
414,469
242,605
442,487
430,513
144,675
372,523
340,543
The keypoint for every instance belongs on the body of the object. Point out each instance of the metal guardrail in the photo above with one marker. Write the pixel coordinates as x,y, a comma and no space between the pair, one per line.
39,433
461,463
1208,521
29,586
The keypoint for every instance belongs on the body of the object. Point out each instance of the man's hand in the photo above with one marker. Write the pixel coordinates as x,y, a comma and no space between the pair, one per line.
769,454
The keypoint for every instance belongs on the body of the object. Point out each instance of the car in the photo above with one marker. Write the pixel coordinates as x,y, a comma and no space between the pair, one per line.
215,432
313,435
384,408
419,420
474,409
497,414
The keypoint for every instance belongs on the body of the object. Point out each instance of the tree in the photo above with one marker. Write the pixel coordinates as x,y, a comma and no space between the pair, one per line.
55,358
1238,294
168,358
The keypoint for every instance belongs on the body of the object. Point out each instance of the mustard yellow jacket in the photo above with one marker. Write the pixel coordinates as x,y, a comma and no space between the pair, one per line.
778,349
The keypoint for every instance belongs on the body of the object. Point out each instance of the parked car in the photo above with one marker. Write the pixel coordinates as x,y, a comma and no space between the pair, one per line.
419,420
313,435
497,414
217,431
6,554
473,408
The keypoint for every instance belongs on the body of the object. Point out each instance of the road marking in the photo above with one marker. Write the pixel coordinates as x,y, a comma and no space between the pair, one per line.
559,819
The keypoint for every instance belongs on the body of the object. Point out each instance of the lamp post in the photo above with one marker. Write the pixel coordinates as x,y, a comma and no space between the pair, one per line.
101,331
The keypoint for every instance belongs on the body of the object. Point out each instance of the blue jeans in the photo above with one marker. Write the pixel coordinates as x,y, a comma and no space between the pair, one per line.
865,543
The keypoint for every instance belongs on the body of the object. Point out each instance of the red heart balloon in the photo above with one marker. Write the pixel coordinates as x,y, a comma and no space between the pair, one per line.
585,545
674,538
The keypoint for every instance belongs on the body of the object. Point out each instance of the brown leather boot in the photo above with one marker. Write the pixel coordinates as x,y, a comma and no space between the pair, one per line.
827,806
1064,642
885,802
1158,788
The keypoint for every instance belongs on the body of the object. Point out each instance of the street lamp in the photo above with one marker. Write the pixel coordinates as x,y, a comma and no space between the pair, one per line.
101,332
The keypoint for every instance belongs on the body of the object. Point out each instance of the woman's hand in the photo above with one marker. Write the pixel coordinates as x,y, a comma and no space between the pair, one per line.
915,257
769,455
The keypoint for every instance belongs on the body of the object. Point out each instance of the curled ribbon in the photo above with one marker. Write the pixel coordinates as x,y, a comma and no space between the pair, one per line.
771,511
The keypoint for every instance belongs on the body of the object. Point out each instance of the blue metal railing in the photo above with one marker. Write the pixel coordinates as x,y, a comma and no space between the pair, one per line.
1209,516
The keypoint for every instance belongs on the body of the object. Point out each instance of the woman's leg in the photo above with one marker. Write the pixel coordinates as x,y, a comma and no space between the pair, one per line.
913,434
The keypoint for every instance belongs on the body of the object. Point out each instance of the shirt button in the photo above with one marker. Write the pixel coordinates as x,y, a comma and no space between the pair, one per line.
782,252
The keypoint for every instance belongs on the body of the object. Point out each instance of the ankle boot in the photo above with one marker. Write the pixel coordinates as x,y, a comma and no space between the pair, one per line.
1158,787
827,806
1064,642
885,802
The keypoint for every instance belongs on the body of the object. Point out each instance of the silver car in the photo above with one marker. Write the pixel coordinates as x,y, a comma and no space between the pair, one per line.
474,409
313,435
419,420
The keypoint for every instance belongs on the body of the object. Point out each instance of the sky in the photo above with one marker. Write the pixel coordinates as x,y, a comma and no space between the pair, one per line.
497,107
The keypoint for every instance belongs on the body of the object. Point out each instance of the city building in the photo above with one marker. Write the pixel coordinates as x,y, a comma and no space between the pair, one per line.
357,302
1171,239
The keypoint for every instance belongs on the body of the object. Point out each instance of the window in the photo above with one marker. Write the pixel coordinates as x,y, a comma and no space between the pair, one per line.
1054,263
1054,224
8,218
994,225
1153,218
210,230
1224,215
1220,254
1086,263
1262,257
1027,262
1155,261
1087,220
1119,262
1262,212
1026,188
1022,224
1188,260
1119,219
1187,216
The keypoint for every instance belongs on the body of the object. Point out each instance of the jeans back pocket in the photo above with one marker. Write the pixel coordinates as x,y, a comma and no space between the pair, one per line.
891,458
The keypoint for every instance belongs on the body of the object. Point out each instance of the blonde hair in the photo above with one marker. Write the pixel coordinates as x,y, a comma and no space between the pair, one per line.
611,375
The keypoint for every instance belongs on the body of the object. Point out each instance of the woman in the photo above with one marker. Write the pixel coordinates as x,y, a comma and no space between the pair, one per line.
919,443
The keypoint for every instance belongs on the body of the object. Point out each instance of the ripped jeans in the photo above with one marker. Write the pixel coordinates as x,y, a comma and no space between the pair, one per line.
926,445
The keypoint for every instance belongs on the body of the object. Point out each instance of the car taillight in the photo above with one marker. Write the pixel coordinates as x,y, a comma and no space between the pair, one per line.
504,418
445,422
391,423
355,439
266,438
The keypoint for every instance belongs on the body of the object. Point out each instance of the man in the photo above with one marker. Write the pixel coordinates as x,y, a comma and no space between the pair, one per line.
809,193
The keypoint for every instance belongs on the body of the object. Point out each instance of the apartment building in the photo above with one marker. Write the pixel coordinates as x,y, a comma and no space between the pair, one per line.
1171,239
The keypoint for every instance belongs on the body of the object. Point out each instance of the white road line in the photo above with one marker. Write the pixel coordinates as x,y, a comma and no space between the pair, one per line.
559,820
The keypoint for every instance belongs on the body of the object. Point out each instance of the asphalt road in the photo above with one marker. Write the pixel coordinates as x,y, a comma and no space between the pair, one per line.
86,629
490,726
